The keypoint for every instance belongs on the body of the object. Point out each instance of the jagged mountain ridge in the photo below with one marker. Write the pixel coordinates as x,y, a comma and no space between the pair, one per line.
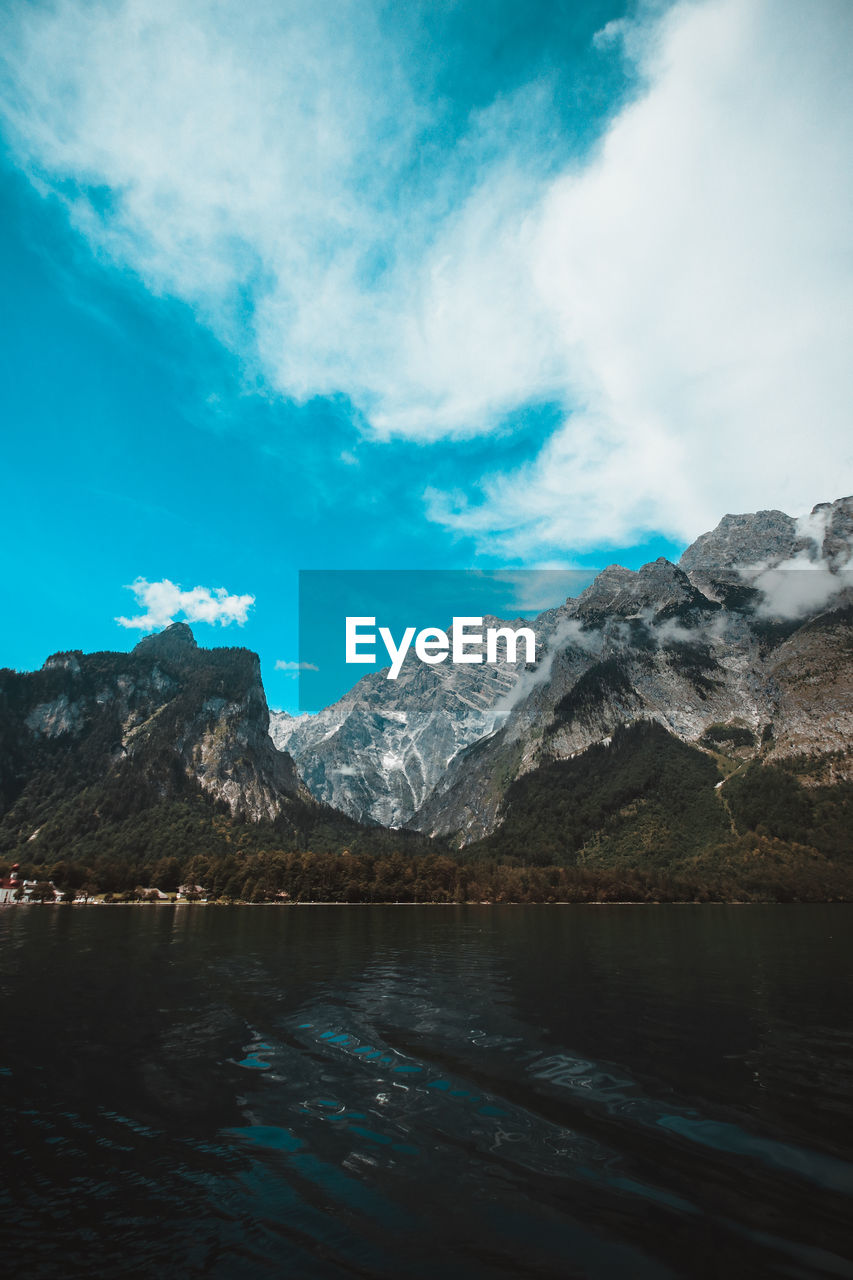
689,646
699,648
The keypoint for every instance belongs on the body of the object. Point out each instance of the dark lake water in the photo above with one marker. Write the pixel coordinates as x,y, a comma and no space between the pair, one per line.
427,1091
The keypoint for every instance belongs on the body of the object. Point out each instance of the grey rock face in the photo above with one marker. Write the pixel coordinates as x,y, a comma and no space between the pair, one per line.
810,678
223,731
659,589
769,538
741,540
174,641
378,752
837,544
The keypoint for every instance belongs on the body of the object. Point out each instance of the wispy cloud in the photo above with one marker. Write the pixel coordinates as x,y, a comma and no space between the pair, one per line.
165,602
570,633
685,292
282,665
799,587
546,587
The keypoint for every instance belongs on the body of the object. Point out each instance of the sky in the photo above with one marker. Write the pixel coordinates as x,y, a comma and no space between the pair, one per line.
447,284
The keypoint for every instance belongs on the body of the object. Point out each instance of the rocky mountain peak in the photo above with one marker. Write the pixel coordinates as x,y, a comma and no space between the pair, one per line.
168,721
657,587
720,561
745,539
174,641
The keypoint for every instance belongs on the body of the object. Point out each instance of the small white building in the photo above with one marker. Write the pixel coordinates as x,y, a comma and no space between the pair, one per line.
191,893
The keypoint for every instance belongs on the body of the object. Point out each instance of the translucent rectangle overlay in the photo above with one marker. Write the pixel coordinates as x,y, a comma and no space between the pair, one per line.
406,603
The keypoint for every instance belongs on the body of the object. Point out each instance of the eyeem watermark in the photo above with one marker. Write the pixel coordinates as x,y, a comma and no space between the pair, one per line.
462,643
368,624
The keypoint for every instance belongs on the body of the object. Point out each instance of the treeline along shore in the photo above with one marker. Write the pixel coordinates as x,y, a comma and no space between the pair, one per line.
752,868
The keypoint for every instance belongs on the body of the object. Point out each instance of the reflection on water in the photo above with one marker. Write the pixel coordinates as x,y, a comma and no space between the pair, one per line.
549,1091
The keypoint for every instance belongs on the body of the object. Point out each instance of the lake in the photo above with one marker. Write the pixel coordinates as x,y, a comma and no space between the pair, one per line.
413,1091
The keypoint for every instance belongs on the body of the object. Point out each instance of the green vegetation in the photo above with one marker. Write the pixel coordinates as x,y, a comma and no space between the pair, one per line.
647,799
96,806
640,820
732,735
114,840
771,801
646,819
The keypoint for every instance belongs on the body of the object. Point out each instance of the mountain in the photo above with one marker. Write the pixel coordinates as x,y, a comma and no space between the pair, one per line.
92,738
741,652
379,752
684,731
156,766
165,715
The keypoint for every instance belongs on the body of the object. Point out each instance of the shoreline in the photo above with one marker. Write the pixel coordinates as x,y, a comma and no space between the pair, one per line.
682,902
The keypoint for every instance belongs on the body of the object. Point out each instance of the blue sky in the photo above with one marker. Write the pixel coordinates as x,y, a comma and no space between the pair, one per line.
447,285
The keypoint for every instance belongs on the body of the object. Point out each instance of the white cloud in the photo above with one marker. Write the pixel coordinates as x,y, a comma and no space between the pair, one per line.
611,33
686,292
699,271
799,587
569,633
165,601
282,665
